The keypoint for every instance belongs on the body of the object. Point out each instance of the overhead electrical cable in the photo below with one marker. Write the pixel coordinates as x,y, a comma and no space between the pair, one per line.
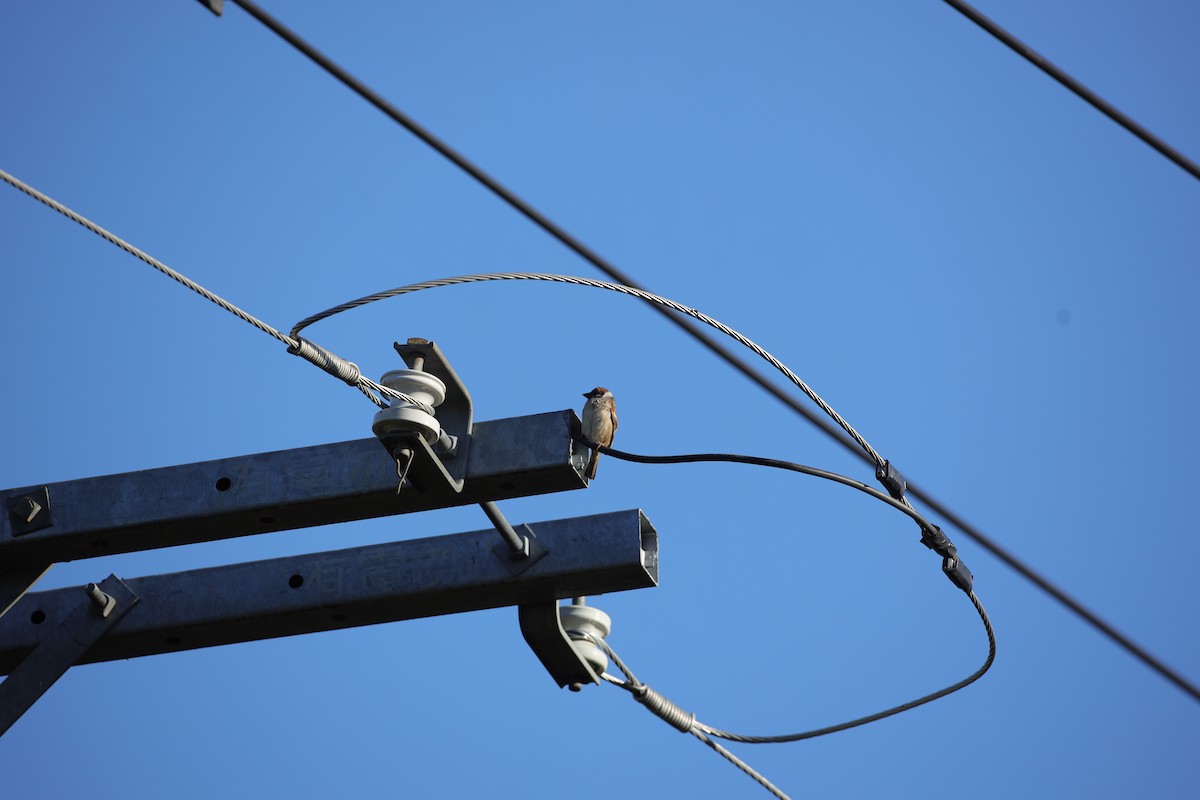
660,706
340,368
680,719
657,703
1099,103
602,264
689,458
683,720
931,535
656,301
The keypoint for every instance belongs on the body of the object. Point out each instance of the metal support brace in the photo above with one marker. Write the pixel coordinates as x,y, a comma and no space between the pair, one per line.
518,546
517,551
89,614
16,581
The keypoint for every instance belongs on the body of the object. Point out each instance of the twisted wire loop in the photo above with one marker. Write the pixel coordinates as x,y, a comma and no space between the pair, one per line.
614,287
335,365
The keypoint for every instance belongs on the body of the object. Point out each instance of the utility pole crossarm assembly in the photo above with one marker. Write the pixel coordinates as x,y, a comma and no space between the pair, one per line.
432,456
347,588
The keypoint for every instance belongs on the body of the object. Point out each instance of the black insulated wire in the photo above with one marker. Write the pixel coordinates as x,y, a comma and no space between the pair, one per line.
968,529
891,712
931,536
1096,101
674,714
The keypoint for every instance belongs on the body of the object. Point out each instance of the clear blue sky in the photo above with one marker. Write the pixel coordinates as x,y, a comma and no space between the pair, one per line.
992,282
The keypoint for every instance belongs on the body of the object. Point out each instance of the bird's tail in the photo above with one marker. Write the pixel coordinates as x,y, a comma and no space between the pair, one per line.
590,472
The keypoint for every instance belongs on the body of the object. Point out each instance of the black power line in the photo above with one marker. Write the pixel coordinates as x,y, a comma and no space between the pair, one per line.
728,356
1102,105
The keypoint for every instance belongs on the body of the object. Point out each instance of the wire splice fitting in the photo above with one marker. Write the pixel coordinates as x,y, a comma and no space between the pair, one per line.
334,364
663,708
933,538
958,573
892,480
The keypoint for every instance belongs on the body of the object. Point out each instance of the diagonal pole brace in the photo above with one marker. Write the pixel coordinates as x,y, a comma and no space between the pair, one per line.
91,614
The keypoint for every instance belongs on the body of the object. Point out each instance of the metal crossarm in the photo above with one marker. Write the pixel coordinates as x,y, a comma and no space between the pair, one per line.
347,588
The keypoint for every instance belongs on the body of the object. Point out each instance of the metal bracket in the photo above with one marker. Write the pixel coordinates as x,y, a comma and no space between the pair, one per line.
84,622
530,554
30,511
427,471
454,414
543,631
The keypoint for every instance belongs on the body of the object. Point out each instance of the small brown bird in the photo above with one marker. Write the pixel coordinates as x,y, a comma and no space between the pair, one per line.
599,423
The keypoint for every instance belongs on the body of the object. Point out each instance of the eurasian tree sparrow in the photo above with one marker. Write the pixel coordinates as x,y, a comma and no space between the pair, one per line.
599,423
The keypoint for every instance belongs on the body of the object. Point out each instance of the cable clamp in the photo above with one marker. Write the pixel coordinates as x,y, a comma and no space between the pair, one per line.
933,538
892,480
958,573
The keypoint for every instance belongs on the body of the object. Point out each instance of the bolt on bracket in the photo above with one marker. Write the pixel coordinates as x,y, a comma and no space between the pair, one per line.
29,510
517,561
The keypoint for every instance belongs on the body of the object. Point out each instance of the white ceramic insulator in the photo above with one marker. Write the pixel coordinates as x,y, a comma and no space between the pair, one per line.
406,418
586,619
402,415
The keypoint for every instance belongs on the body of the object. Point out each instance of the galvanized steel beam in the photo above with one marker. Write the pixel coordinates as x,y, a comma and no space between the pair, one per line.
347,588
278,491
